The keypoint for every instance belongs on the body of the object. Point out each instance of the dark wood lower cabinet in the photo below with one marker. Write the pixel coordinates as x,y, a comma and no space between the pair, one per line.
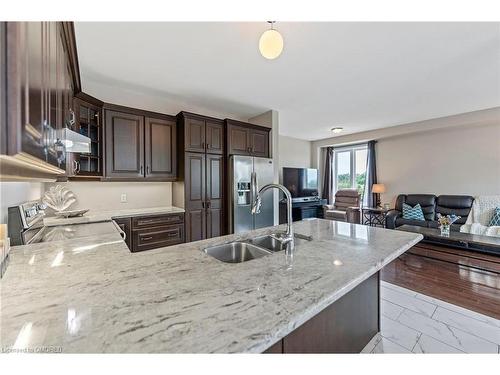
152,238
195,225
214,195
276,348
346,326
152,231
140,222
204,195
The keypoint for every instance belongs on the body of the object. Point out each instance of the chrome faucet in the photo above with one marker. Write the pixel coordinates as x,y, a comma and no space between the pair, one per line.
287,237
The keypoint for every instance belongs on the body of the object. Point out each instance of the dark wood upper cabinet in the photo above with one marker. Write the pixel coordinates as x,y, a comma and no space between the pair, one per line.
33,89
124,145
194,135
214,137
238,140
161,154
38,59
247,139
201,133
140,145
259,143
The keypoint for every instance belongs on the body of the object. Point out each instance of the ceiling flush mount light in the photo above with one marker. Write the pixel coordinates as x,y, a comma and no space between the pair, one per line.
271,43
336,130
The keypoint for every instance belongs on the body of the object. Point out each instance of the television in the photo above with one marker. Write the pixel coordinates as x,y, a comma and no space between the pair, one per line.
302,183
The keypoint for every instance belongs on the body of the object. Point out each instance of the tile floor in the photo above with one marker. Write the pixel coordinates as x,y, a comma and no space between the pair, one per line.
415,323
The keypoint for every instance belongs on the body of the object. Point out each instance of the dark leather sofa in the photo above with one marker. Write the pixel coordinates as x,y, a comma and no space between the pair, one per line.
459,205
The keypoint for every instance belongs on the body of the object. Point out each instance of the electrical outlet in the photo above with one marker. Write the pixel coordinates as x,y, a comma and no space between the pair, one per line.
123,198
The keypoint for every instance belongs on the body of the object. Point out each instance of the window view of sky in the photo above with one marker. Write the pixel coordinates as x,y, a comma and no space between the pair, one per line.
351,178
361,161
344,163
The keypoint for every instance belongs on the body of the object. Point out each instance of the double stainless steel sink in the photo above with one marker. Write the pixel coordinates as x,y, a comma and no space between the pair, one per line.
243,251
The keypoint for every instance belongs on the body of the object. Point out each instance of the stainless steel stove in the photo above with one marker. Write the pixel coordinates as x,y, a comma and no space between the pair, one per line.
25,225
25,222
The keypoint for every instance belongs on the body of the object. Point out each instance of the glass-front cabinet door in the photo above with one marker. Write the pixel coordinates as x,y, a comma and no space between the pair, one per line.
88,122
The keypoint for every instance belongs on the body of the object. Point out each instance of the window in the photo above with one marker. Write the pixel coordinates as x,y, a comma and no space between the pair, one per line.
350,168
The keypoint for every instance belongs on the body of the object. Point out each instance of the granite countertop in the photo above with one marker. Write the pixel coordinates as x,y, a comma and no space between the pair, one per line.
94,216
93,295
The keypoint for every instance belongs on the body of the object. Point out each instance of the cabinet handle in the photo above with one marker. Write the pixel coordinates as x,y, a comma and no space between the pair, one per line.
121,230
141,169
145,221
202,204
147,169
208,146
72,118
76,166
208,204
146,238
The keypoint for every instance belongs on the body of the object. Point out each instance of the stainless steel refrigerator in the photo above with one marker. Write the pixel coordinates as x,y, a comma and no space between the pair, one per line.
246,174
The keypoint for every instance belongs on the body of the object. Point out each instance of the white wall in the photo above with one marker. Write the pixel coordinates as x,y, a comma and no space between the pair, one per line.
462,160
106,195
14,193
457,154
294,153
483,117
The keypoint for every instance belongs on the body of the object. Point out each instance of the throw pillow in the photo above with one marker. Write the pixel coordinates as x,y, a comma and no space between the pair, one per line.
413,213
495,219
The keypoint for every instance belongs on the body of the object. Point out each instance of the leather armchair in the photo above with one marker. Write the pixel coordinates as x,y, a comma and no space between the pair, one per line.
344,207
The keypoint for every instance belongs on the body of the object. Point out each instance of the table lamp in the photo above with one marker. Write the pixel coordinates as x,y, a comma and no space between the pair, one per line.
377,189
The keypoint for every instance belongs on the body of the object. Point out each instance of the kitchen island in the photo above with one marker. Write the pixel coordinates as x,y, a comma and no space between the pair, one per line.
93,295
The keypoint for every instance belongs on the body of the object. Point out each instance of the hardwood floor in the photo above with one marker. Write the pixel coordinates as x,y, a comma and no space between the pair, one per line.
459,277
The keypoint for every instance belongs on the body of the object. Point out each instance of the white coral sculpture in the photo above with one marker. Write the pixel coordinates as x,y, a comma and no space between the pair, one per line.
59,198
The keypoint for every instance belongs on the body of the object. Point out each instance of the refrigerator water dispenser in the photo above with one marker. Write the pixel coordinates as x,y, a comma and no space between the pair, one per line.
243,193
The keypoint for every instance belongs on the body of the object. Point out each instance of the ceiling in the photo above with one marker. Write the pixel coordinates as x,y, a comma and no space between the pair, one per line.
360,76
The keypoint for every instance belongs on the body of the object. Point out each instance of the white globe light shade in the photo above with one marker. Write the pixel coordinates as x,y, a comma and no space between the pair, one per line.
271,44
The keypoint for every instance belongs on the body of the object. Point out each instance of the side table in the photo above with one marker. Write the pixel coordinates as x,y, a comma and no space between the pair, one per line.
374,216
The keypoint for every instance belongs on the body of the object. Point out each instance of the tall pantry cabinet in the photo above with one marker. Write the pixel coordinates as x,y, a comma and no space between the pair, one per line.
201,165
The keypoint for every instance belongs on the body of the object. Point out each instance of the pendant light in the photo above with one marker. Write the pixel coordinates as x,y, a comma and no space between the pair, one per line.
271,43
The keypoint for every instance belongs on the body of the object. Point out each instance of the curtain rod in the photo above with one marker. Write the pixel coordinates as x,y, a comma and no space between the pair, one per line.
347,145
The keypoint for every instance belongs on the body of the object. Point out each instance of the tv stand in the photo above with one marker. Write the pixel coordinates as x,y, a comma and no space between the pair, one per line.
303,210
